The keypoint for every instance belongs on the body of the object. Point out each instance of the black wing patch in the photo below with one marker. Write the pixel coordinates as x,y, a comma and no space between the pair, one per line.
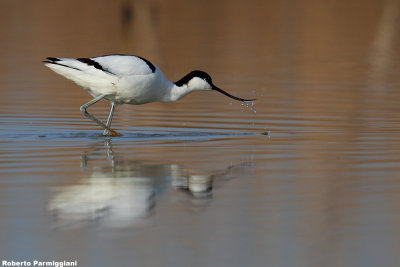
53,59
91,62
151,66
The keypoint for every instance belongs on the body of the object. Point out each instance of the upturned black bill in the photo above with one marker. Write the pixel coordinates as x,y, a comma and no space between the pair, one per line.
231,96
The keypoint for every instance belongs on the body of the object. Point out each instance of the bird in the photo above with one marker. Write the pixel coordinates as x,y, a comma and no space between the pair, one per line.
128,79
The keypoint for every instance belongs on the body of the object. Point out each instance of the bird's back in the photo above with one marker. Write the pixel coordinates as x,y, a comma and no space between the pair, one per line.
103,75
124,65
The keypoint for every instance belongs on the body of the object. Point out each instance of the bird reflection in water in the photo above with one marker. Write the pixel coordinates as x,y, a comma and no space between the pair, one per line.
123,193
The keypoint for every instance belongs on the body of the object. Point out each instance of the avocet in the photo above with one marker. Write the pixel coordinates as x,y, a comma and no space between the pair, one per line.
125,79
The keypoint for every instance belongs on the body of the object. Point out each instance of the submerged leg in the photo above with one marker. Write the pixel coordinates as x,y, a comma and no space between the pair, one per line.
84,112
110,116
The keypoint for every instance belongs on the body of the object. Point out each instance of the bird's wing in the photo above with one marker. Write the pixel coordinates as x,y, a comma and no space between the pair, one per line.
118,65
124,65
77,67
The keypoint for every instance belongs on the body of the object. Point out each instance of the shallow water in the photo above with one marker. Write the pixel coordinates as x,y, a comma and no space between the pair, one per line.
308,176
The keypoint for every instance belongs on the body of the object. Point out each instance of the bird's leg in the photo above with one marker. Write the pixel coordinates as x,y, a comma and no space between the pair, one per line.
110,116
84,112
110,153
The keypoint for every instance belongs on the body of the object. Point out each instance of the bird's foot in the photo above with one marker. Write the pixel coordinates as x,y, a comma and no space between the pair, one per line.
112,133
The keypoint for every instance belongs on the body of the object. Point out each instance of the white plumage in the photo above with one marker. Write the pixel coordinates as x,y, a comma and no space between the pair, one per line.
124,79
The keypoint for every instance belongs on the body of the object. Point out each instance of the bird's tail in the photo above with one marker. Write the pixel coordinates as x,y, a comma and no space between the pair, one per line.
70,63
83,71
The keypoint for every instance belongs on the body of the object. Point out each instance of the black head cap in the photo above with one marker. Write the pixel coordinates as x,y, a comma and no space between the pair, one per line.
196,73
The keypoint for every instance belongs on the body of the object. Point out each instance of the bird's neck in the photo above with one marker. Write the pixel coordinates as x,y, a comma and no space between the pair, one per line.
176,92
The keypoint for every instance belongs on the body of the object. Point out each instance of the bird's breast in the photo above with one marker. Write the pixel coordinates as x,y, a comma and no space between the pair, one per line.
139,89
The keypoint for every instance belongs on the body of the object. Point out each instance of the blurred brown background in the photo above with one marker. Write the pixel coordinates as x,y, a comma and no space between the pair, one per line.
237,41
